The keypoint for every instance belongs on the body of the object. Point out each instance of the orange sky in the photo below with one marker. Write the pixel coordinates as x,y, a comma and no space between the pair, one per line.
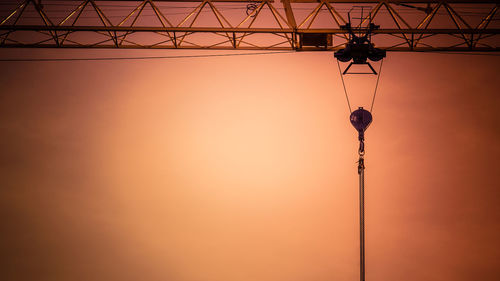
243,168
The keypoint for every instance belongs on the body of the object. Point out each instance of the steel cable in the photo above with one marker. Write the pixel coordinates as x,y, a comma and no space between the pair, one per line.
376,85
345,90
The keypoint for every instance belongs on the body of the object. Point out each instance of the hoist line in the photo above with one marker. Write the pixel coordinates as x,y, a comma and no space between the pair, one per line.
362,252
343,84
376,85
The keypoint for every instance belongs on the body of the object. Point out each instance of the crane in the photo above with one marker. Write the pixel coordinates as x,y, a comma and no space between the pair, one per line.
292,25
300,25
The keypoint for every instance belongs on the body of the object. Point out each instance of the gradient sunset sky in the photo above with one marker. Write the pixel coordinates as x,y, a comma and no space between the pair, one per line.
244,168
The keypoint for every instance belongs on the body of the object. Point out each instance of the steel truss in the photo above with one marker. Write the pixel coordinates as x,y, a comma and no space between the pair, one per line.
409,25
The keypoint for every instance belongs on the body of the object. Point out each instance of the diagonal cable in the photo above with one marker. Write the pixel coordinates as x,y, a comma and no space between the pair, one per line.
376,85
345,90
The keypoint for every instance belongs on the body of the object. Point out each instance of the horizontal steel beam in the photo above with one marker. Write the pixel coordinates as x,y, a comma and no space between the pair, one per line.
239,29
316,1
83,24
401,2
172,1
305,49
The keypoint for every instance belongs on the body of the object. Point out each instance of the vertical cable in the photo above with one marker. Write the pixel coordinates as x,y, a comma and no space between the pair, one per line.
361,172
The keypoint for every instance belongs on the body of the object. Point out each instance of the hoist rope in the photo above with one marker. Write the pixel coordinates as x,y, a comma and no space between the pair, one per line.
376,85
343,84
345,90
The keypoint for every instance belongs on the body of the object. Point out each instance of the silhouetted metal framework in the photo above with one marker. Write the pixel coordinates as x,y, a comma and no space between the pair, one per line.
409,25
